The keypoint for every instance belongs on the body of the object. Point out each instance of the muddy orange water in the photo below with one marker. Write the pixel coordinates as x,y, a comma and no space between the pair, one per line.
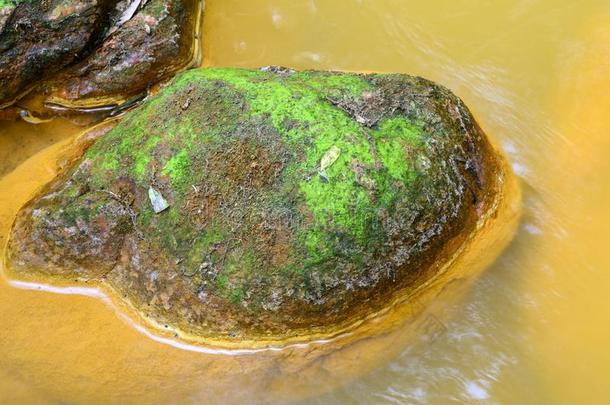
533,328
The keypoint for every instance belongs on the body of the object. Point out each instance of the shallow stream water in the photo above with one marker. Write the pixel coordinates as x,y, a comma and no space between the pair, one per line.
533,328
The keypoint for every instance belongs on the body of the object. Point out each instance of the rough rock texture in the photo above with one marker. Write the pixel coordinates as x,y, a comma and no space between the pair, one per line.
153,44
38,38
111,48
297,200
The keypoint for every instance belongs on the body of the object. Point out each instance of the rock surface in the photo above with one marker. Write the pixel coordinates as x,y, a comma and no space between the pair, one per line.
106,49
298,201
38,38
148,47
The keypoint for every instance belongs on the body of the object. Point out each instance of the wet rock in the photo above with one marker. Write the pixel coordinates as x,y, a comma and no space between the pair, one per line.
146,44
106,50
296,200
38,38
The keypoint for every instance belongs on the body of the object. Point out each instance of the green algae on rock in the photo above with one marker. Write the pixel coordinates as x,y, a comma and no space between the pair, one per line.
297,201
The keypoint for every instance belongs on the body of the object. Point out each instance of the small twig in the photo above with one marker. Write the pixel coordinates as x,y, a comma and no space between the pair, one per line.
132,214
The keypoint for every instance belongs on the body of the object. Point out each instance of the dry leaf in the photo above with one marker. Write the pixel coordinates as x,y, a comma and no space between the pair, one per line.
329,158
156,199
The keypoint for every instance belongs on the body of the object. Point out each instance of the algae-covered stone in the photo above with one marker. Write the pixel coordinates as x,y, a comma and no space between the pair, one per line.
298,201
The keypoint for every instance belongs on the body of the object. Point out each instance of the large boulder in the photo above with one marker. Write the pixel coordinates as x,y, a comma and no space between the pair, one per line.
106,50
267,203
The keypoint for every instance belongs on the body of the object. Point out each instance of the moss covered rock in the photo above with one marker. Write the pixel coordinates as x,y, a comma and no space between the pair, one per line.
267,203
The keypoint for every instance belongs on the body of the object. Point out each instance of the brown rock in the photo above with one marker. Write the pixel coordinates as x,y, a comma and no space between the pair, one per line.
141,49
39,38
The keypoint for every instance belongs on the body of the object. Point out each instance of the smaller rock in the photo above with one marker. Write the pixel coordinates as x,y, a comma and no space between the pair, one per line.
39,38
149,42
